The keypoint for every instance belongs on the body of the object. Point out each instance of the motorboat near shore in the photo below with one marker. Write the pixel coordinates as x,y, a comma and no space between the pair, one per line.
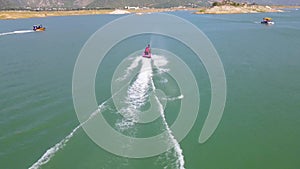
38,28
267,21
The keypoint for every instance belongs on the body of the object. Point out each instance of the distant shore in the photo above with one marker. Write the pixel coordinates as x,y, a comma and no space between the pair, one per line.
229,9
22,14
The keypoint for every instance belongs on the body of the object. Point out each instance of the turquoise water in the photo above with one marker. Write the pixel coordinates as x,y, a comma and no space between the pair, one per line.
261,122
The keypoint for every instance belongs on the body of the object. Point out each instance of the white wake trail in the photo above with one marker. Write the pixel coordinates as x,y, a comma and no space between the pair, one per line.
159,62
46,157
174,98
133,65
51,151
137,95
16,32
177,148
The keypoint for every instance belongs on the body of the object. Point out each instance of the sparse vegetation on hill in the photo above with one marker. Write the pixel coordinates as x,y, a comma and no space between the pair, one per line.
230,7
111,4
96,4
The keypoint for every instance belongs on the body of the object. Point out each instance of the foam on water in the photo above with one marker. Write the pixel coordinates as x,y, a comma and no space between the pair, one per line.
137,95
174,98
159,62
51,151
46,157
16,32
133,65
134,98
177,148
163,81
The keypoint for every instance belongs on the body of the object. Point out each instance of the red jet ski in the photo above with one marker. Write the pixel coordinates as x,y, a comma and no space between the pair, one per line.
147,52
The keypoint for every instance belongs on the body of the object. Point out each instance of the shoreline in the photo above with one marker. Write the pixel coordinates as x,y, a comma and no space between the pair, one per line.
23,14
245,9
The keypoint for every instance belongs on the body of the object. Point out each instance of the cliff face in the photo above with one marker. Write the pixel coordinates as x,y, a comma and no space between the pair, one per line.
8,4
44,3
33,3
81,3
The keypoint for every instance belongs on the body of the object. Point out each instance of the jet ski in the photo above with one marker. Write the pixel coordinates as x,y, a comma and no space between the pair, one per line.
146,55
147,52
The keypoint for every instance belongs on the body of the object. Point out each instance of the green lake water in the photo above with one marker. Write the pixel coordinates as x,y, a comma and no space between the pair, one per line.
261,121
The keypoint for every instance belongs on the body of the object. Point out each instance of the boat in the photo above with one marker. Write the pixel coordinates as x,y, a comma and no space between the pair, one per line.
147,52
38,28
267,21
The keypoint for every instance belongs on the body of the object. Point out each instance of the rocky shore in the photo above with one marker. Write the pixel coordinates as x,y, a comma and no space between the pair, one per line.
228,9
14,14
39,14
224,9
